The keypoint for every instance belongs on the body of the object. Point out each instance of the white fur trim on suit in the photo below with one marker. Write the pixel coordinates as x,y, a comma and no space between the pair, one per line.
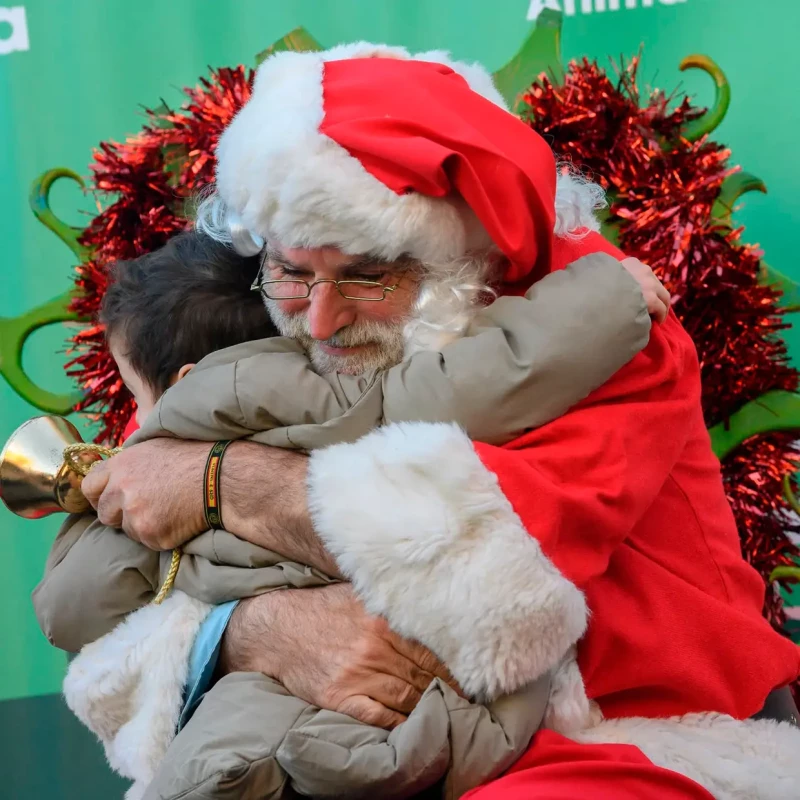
733,759
429,541
127,687
287,181
278,177
569,709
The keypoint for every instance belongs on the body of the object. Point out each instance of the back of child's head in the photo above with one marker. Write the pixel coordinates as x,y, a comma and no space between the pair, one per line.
180,303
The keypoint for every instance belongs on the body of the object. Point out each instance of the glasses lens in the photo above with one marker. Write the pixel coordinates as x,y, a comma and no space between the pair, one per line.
285,290
361,290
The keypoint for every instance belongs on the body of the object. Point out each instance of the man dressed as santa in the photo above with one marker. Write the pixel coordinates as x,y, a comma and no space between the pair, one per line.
354,164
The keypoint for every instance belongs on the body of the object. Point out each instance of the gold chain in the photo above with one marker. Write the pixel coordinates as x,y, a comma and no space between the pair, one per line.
71,453
166,587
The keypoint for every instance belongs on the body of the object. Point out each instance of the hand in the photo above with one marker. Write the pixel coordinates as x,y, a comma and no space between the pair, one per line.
325,649
655,295
153,491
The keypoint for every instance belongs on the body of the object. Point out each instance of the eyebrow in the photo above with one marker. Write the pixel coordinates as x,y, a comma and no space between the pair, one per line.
369,263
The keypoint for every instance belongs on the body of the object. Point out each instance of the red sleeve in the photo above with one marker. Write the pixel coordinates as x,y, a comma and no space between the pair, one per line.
566,250
581,483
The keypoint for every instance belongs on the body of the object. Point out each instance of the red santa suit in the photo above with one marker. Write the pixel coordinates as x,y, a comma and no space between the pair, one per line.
613,516
625,496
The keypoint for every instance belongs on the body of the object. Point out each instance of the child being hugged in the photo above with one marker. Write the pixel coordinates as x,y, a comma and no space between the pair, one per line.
195,346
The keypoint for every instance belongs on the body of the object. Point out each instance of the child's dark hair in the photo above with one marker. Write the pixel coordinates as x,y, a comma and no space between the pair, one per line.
178,304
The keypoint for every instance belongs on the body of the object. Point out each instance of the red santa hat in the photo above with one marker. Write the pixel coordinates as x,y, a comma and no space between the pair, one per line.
368,149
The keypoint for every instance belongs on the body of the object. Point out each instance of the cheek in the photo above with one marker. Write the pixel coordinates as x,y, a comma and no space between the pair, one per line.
379,312
400,304
291,306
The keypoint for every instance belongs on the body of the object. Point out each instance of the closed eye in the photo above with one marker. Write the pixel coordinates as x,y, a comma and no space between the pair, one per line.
278,271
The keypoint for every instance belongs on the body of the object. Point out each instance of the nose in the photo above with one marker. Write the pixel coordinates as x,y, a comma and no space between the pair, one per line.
328,312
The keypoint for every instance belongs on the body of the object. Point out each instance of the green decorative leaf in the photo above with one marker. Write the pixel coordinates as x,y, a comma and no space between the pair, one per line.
609,226
158,118
784,573
773,411
298,41
732,189
790,289
540,53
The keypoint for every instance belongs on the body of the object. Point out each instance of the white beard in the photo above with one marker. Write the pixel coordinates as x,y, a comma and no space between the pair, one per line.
381,344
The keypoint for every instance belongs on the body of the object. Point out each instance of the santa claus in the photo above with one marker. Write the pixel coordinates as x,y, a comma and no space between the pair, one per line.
363,156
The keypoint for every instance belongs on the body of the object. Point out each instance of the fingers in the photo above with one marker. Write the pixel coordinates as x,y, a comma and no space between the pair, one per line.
406,670
95,482
381,658
440,671
656,295
109,509
102,495
635,267
370,712
388,653
664,296
391,692
424,664
658,304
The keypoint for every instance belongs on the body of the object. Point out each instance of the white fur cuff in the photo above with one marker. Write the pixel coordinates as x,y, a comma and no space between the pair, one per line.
430,542
733,759
127,687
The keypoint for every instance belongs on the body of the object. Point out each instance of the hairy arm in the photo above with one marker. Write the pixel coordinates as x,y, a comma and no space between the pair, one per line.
263,495
153,491
324,648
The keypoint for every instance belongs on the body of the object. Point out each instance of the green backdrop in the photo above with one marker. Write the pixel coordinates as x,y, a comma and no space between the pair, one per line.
74,72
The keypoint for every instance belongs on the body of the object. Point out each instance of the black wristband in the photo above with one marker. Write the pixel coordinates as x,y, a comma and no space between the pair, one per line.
211,501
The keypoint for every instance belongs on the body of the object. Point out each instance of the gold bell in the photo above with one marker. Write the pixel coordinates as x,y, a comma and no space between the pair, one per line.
35,480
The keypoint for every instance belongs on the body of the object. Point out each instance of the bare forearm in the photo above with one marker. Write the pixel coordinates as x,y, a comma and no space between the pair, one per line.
251,626
263,493
263,630
323,647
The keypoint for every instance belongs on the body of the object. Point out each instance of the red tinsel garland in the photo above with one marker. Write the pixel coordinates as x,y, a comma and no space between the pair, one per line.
151,177
663,189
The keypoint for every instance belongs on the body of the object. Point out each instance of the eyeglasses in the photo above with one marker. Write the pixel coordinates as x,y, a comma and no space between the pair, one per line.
293,289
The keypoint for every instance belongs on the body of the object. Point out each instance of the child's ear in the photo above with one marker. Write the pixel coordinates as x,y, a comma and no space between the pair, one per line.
181,373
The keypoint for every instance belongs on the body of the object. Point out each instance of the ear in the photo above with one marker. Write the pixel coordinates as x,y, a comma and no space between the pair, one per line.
181,373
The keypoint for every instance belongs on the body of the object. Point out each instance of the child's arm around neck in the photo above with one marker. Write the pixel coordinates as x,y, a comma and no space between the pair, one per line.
527,360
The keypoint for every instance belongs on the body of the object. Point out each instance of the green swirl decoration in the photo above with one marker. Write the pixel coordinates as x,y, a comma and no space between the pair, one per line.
722,99
15,331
